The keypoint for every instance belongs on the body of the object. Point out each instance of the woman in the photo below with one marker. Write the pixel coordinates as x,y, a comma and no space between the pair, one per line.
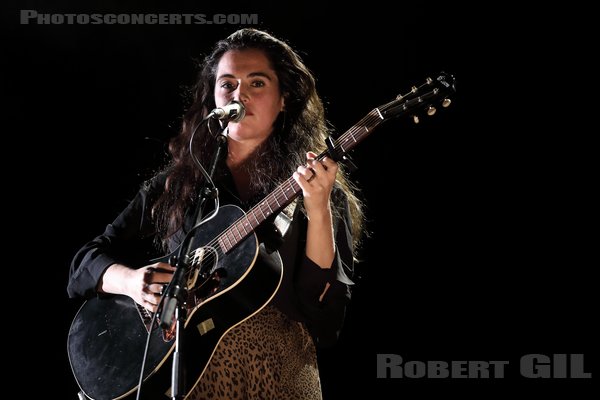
272,354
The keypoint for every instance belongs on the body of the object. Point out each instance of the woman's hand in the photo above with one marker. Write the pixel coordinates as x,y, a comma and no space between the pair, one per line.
316,181
143,285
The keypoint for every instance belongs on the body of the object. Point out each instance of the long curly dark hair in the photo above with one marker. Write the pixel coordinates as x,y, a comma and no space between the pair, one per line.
300,128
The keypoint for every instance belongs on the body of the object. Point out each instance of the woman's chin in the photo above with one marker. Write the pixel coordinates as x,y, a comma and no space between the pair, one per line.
237,132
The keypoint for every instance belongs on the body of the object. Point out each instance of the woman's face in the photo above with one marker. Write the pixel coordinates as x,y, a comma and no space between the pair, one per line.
247,76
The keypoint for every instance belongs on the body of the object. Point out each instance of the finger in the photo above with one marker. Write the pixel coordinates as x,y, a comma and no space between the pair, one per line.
310,155
318,167
162,277
324,176
163,288
330,166
146,290
163,267
158,273
147,278
329,163
313,174
154,300
150,299
307,172
156,288
302,181
150,307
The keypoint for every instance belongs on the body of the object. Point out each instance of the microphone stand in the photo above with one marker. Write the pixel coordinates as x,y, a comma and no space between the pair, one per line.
176,299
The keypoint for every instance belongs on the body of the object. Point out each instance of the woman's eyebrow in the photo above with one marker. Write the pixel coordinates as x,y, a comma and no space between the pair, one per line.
250,75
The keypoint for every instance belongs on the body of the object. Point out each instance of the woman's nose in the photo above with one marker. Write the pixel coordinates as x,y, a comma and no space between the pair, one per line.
241,93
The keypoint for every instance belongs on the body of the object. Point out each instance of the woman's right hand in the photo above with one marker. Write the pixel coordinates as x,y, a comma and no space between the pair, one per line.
144,285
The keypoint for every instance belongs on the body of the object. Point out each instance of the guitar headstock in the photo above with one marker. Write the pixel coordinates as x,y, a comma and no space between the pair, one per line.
427,96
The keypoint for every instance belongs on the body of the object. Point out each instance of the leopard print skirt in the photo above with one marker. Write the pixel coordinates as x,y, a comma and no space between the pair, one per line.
268,356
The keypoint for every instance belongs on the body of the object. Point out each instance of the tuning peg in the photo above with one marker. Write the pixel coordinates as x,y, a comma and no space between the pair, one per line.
415,119
431,110
446,102
414,89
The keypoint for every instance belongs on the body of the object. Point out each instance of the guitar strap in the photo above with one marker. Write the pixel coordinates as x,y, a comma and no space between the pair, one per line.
273,231
284,219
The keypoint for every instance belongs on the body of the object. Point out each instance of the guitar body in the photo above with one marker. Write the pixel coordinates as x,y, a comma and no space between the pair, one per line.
107,337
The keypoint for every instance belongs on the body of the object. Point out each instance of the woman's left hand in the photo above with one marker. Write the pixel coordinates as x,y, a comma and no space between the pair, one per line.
316,181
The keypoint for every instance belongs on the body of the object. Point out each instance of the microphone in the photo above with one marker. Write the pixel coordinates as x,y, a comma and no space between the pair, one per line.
232,112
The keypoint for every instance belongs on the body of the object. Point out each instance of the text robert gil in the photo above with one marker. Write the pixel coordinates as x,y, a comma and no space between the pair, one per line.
530,366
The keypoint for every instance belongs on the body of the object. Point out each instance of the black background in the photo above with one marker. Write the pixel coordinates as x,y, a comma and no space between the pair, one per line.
480,218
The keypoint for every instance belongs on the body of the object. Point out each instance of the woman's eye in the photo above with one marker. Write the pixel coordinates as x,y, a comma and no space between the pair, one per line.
258,84
226,85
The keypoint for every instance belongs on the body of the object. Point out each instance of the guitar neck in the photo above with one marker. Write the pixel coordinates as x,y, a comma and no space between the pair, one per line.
287,191
415,100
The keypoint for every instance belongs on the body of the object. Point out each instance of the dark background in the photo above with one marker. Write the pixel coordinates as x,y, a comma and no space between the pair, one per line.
480,218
